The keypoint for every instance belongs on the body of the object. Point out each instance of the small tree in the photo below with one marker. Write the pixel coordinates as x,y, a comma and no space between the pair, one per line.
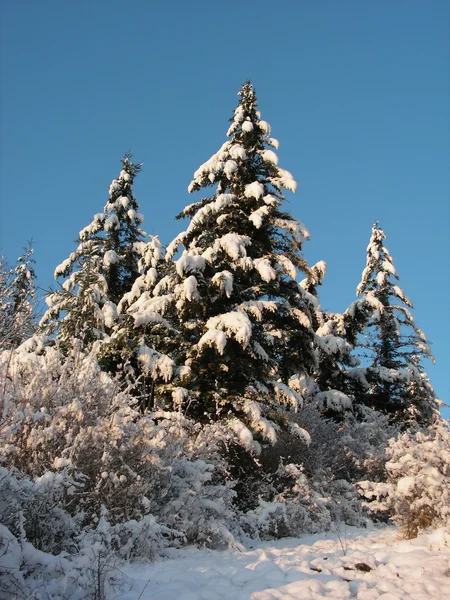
393,346
132,342
101,270
18,300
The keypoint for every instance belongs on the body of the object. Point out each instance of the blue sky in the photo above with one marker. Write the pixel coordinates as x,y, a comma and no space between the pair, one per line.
357,93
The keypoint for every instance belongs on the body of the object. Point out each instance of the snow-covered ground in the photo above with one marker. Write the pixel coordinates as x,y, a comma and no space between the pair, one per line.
357,563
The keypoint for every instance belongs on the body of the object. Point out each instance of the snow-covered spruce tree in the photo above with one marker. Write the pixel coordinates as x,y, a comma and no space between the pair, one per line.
101,270
18,300
132,342
244,325
332,385
339,377
325,387
393,346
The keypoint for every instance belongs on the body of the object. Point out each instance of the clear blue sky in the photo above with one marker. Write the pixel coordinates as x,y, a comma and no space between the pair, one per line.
357,92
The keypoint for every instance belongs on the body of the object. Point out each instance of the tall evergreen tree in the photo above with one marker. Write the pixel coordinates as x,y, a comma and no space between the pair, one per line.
131,343
337,379
18,300
330,386
102,269
393,346
243,323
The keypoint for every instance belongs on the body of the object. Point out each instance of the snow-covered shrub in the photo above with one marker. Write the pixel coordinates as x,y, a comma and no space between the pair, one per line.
304,506
47,403
336,451
143,538
12,583
301,486
296,509
26,572
71,440
364,443
39,509
317,453
417,492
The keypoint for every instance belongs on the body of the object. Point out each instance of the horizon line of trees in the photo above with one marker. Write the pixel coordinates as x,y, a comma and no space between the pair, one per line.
225,323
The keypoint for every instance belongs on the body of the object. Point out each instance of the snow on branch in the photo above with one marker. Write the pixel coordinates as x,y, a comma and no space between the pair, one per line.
234,324
286,395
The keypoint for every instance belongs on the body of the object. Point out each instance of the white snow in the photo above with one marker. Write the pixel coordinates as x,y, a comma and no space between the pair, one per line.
149,309
287,265
264,125
389,267
382,278
239,114
271,200
284,179
258,422
114,187
124,175
211,338
243,432
287,395
349,563
211,208
189,263
235,324
110,315
155,363
190,288
401,294
212,165
257,307
62,268
298,230
301,317
300,433
95,225
230,168
270,156
247,126
334,399
265,269
112,222
233,244
254,190
110,257
374,302
179,396
224,281
237,151
258,215
274,143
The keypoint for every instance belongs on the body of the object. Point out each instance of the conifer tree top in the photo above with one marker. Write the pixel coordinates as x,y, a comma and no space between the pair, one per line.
249,135
379,271
246,175
378,286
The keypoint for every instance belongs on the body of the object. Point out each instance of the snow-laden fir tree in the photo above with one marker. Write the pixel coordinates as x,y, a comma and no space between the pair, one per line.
102,269
131,342
18,300
393,346
326,387
243,323
337,378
